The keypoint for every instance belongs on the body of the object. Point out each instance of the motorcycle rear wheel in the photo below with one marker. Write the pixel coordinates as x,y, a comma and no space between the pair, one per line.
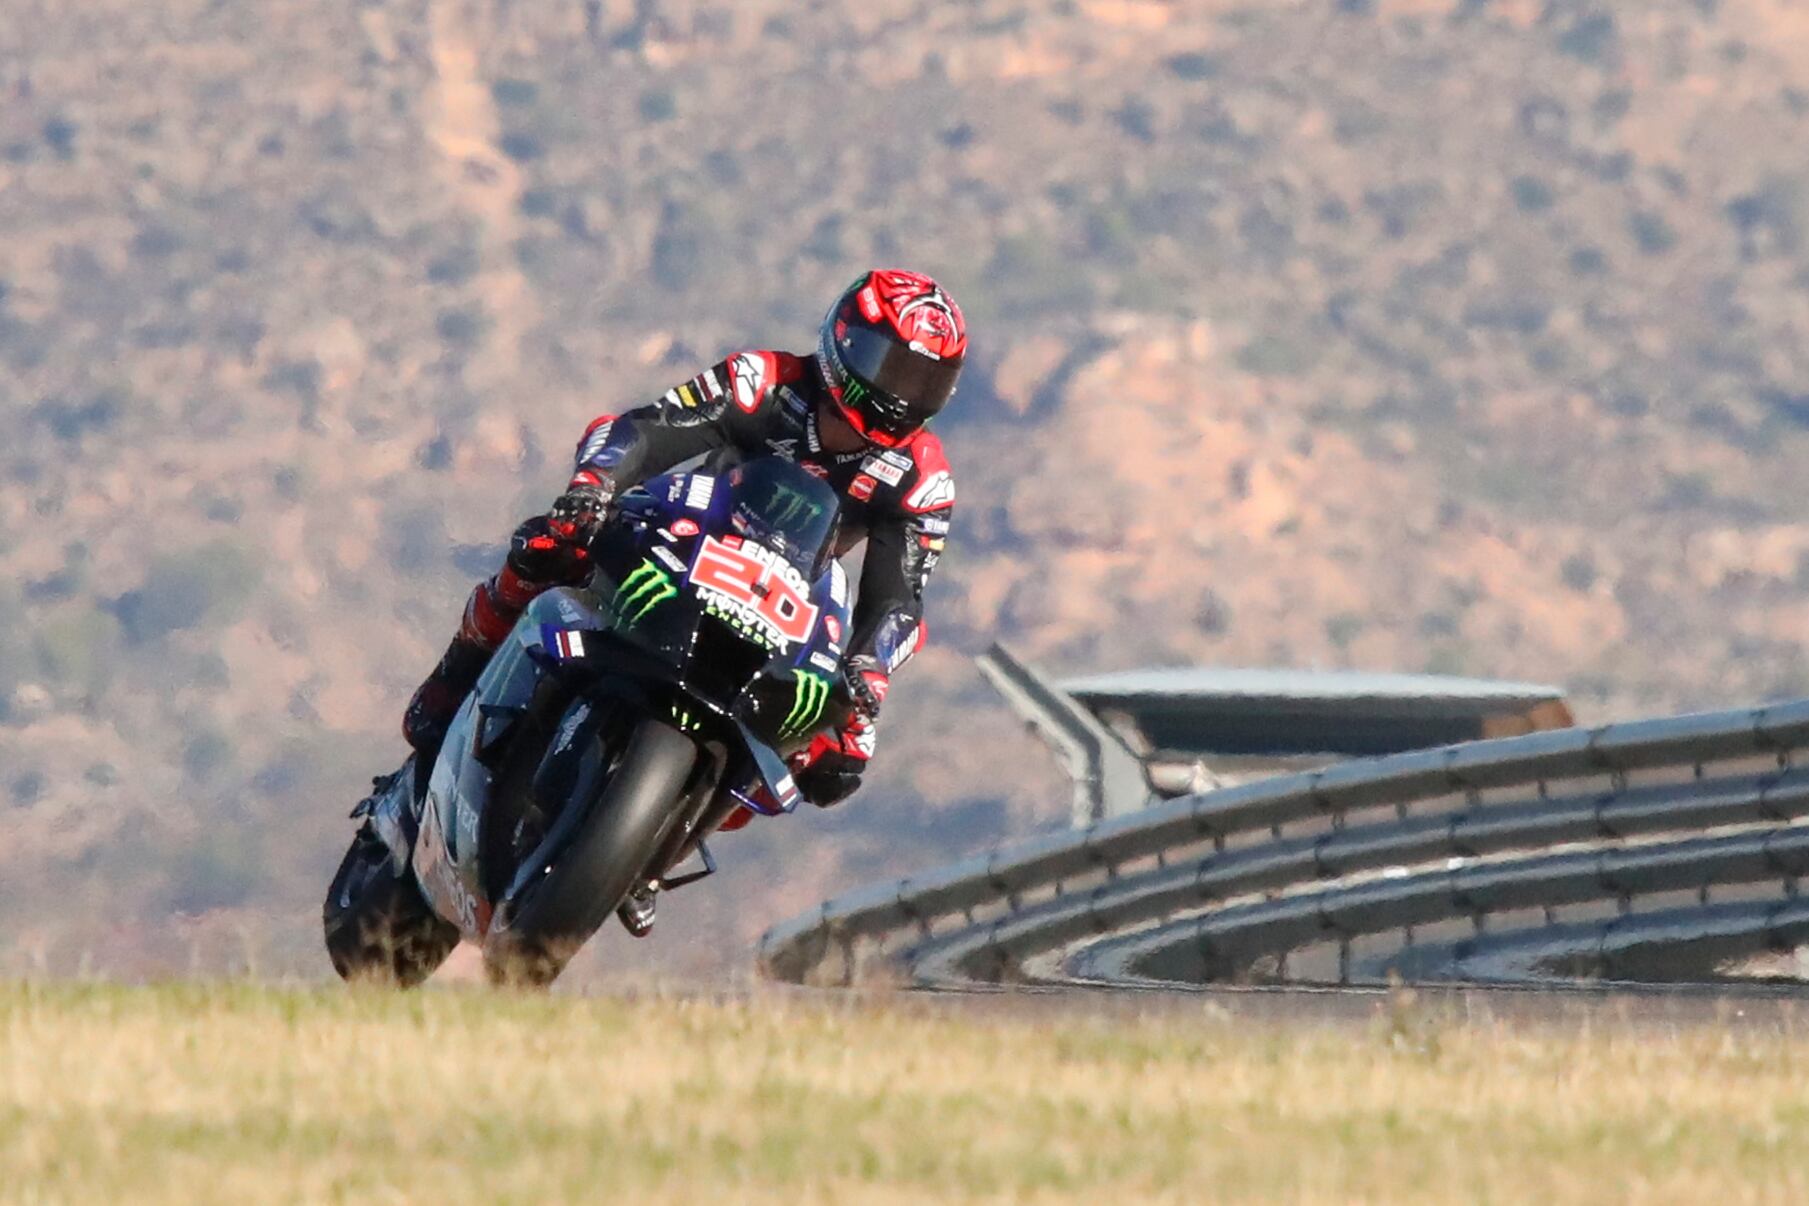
379,928
536,934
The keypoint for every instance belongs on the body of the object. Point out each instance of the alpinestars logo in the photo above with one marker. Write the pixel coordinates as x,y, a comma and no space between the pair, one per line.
808,701
750,377
642,591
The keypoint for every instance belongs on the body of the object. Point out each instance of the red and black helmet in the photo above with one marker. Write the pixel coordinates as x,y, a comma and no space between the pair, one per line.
890,351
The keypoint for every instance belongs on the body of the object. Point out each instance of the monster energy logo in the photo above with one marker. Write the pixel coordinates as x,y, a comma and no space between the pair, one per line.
789,504
806,705
643,590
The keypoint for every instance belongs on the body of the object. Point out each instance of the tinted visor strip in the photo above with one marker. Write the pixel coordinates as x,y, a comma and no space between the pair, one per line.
924,384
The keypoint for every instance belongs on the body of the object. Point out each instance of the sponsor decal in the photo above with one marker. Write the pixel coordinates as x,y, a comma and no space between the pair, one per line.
861,487
935,492
809,696
433,866
824,661
820,472
884,469
754,585
788,505
932,543
685,527
700,491
674,488
833,626
905,649
642,591
838,585
669,559
785,448
787,793
712,388
569,644
934,525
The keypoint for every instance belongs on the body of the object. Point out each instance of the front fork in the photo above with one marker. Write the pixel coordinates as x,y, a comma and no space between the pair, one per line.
703,815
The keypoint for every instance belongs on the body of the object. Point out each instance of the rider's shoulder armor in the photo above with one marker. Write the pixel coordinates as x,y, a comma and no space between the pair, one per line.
914,478
752,380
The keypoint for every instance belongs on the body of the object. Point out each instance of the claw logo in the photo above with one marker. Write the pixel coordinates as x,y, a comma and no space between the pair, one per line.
789,505
807,704
643,590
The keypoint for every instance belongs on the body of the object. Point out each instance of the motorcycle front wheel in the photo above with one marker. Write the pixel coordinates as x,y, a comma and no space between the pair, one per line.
567,893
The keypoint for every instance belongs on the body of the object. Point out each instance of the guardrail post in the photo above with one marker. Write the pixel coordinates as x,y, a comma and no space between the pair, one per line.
1109,780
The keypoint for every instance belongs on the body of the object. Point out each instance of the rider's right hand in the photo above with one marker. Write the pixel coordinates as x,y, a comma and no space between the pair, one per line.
543,550
578,511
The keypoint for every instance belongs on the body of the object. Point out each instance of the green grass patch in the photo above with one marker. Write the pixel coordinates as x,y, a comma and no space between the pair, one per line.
233,1092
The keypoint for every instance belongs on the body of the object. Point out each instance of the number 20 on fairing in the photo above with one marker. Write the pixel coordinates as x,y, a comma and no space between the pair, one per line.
756,586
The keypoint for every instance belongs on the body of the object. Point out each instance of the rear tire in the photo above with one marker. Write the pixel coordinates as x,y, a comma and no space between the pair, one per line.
536,934
379,928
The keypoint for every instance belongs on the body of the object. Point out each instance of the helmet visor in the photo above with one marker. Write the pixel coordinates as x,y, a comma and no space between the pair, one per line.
923,383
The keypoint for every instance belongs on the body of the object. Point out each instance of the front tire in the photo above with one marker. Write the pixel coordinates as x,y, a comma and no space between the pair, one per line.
379,928
536,933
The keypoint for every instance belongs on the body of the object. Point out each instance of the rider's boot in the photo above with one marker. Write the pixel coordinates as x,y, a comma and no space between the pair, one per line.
436,701
490,613
636,910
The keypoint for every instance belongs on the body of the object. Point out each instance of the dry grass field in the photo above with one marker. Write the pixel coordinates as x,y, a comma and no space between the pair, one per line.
234,1093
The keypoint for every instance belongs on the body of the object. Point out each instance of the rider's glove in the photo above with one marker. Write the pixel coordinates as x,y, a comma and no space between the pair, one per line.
831,779
542,552
830,770
867,682
578,511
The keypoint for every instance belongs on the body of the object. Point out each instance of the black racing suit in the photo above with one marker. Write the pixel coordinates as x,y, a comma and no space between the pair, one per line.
898,500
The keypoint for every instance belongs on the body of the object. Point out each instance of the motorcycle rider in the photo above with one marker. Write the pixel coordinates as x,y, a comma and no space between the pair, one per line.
852,413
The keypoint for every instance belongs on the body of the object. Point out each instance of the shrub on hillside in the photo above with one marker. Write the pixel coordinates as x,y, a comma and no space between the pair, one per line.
209,583
75,651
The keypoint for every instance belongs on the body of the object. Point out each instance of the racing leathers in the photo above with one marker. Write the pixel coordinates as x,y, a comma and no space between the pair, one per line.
899,500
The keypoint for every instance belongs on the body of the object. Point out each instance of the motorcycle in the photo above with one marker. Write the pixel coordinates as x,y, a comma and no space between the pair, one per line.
619,725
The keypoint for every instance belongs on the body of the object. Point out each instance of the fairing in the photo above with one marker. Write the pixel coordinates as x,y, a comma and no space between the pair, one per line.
694,621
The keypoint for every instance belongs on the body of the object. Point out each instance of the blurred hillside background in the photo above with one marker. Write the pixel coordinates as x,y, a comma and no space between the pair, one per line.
1449,335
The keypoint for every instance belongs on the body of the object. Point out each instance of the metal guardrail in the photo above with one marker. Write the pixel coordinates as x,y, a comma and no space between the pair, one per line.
1581,852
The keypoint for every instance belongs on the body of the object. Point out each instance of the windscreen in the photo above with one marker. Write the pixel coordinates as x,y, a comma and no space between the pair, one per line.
786,509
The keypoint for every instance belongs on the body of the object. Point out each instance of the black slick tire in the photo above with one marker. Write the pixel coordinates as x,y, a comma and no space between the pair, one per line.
536,934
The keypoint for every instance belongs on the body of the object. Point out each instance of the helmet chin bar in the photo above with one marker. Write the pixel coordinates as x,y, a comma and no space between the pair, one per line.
845,417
